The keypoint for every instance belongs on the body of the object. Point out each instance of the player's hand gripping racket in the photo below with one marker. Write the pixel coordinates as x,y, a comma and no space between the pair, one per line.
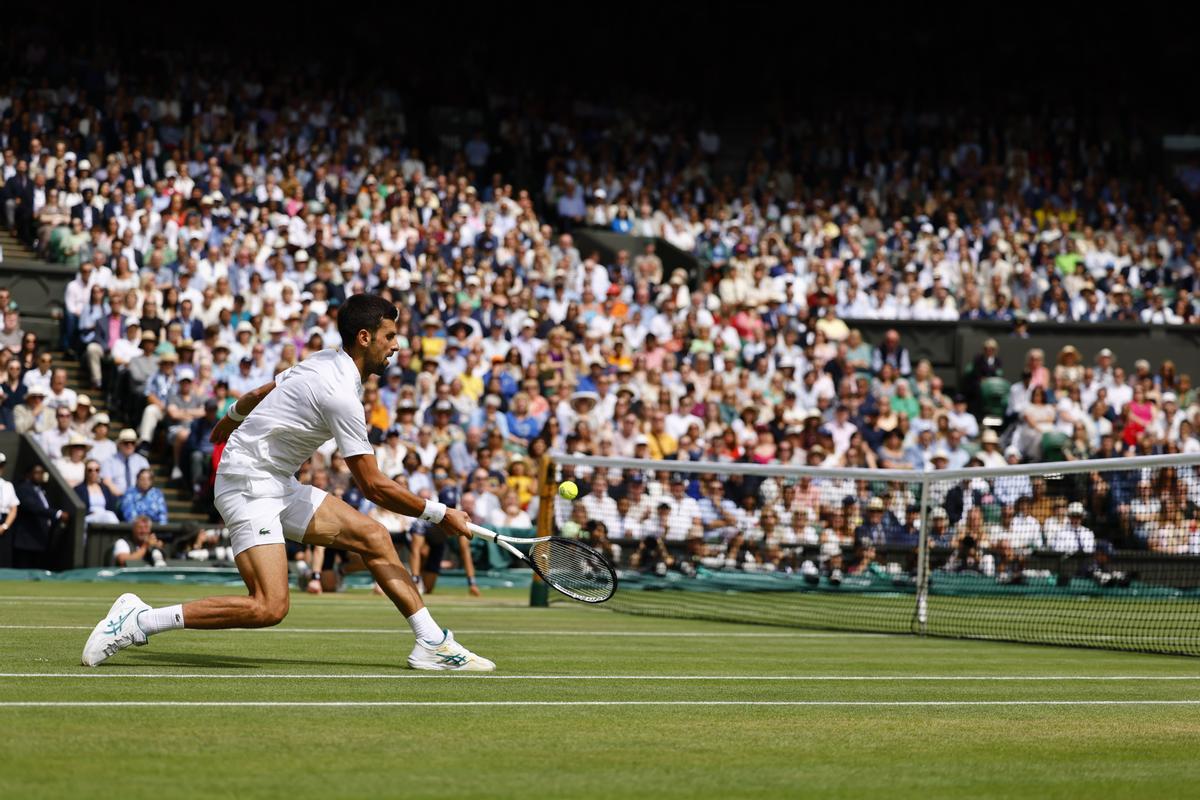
570,566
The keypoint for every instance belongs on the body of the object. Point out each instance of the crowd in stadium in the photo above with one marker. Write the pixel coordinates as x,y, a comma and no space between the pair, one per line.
215,239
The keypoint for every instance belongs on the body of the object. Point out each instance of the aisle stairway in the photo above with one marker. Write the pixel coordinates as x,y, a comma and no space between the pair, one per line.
13,247
179,497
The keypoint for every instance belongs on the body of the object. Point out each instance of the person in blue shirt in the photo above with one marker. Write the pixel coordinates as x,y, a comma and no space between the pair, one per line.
144,499
522,426
718,514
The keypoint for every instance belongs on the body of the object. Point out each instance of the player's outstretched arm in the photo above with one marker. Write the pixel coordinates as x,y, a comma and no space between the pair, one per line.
238,412
381,491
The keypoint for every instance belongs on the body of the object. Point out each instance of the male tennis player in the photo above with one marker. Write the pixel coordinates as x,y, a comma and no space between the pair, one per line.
271,431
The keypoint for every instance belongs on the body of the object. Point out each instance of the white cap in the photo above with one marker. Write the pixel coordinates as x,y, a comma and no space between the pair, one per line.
1075,509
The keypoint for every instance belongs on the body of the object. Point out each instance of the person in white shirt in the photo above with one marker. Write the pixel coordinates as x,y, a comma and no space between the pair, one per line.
8,501
270,432
597,503
60,395
52,441
1025,532
1072,536
989,454
963,420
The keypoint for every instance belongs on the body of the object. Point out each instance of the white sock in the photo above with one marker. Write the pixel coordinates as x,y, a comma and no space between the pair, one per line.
157,620
425,628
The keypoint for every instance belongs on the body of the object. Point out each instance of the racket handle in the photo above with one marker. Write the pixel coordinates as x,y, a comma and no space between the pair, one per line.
483,533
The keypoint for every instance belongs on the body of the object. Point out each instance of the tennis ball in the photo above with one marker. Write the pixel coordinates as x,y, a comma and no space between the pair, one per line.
567,490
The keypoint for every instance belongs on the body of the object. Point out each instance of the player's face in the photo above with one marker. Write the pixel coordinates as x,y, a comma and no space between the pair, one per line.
383,347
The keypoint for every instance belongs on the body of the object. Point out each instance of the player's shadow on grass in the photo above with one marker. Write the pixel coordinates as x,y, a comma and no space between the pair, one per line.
223,661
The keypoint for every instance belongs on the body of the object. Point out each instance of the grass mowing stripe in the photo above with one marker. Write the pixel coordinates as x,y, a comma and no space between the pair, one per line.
469,676
542,703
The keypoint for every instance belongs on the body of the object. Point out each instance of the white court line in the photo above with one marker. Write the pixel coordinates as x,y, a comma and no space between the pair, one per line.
469,676
439,601
471,632
532,703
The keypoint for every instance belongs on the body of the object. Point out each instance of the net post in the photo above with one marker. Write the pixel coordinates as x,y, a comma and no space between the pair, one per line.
539,592
921,612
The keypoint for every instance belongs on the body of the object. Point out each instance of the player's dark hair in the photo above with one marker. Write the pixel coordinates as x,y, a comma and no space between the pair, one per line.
363,312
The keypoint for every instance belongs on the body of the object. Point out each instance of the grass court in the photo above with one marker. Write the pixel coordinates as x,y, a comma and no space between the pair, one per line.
586,703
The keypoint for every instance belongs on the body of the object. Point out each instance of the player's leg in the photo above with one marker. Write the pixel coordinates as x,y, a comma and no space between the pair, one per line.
131,621
335,524
265,571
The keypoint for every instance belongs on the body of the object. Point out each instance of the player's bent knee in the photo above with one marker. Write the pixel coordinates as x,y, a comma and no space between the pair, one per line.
377,542
271,612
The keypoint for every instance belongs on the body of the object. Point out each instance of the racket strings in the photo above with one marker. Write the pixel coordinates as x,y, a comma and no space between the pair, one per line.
574,569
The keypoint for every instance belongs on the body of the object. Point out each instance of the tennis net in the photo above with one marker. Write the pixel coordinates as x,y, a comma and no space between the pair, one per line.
1101,553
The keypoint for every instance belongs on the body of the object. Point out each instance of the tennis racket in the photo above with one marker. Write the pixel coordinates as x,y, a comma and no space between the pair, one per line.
570,566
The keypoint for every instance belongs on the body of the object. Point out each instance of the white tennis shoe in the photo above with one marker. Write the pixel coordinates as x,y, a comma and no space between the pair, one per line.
447,655
118,630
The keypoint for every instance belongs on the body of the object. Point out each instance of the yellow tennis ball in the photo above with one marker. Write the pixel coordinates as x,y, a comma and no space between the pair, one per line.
567,490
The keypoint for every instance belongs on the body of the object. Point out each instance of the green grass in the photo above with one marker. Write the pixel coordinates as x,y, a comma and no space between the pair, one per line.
522,750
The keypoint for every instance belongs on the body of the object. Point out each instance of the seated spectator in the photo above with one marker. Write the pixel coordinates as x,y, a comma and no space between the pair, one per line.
144,549
12,394
144,499
102,448
1073,536
511,515
101,504
71,465
120,471
874,528
34,416
52,441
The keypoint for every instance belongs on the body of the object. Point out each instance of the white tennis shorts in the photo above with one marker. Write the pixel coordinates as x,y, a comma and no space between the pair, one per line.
264,511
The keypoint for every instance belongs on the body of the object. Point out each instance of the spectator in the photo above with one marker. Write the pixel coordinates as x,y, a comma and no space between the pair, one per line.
102,448
144,499
71,465
8,515
101,504
511,515
183,408
146,548
198,448
53,440
159,388
120,470
1074,536
35,522
892,353
11,333
34,416
12,394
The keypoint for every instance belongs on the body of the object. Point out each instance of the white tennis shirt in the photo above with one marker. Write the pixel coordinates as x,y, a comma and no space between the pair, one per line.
317,400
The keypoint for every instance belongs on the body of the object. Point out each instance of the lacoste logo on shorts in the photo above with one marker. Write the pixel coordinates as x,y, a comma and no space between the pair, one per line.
263,532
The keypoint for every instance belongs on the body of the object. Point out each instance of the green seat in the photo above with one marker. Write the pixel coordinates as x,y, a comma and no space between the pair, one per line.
1052,446
991,513
994,392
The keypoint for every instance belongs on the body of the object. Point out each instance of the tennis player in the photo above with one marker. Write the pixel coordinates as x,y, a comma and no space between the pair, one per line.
271,431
